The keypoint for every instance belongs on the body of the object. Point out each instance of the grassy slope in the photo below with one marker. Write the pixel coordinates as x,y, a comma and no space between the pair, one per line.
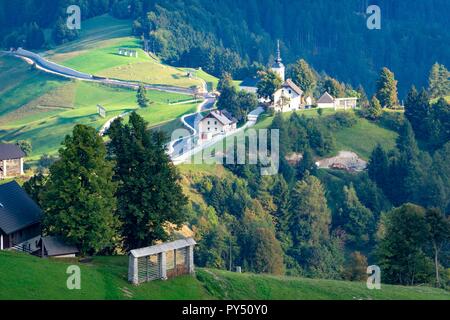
96,52
361,138
27,277
43,108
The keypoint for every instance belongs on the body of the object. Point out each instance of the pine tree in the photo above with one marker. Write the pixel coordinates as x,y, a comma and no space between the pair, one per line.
358,219
141,96
387,89
304,76
149,195
362,97
438,235
378,167
311,216
78,198
401,248
306,164
439,81
374,111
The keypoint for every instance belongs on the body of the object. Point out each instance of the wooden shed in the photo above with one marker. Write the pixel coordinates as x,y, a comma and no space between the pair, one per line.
161,261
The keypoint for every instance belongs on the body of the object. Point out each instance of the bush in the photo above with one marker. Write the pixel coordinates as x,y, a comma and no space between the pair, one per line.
392,120
341,120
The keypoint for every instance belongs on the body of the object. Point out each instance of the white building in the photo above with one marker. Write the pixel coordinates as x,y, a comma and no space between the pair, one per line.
216,122
288,97
278,66
328,101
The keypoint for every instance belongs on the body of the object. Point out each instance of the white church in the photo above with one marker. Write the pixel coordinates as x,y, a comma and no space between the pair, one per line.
289,96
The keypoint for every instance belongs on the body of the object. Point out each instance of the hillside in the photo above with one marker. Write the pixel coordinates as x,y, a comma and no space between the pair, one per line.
43,108
27,277
97,52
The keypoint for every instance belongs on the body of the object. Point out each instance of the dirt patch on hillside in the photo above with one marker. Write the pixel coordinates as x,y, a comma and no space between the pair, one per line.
345,160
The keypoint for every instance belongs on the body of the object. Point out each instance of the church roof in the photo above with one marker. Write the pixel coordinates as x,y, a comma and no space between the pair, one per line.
326,98
290,84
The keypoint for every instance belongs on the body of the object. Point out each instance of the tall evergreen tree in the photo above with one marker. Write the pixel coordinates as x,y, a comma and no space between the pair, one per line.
149,195
78,198
378,166
141,96
439,81
438,235
304,76
359,220
374,111
387,89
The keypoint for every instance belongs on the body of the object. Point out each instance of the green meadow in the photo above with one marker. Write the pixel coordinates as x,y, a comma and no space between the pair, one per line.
97,52
28,277
43,109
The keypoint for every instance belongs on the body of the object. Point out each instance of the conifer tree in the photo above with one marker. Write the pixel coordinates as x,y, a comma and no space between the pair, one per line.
387,89
78,198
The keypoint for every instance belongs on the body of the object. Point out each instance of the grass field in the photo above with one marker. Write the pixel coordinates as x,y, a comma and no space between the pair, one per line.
28,277
96,52
360,138
46,117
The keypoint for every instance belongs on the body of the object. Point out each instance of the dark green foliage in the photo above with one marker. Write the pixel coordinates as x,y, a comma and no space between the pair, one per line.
387,89
34,186
374,110
304,76
438,236
78,197
269,83
306,165
359,219
25,146
401,248
239,104
141,96
149,195
439,81
333,87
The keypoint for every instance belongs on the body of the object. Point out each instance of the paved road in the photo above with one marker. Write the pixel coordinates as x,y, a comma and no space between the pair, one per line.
63,71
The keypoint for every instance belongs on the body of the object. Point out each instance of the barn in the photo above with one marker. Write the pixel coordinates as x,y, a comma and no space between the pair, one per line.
161,261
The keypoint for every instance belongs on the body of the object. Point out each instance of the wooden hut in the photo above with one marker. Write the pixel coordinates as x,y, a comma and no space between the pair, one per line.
161,261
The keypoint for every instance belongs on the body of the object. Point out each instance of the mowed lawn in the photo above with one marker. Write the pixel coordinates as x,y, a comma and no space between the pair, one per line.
27,277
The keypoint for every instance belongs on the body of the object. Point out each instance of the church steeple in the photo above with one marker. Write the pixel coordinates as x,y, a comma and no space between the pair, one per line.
278,66
278,60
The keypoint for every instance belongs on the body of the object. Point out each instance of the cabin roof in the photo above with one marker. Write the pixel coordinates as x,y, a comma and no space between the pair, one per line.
17,209
163,247
55,246
326,98
10,151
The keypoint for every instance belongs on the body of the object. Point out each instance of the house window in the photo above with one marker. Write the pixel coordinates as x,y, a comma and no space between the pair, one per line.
208,121
209,129
216,129
290,91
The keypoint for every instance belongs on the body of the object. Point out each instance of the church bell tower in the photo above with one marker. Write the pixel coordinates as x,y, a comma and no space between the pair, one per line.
278,66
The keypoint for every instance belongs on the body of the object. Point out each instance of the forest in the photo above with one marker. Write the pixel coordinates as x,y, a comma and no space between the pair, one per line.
239,37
